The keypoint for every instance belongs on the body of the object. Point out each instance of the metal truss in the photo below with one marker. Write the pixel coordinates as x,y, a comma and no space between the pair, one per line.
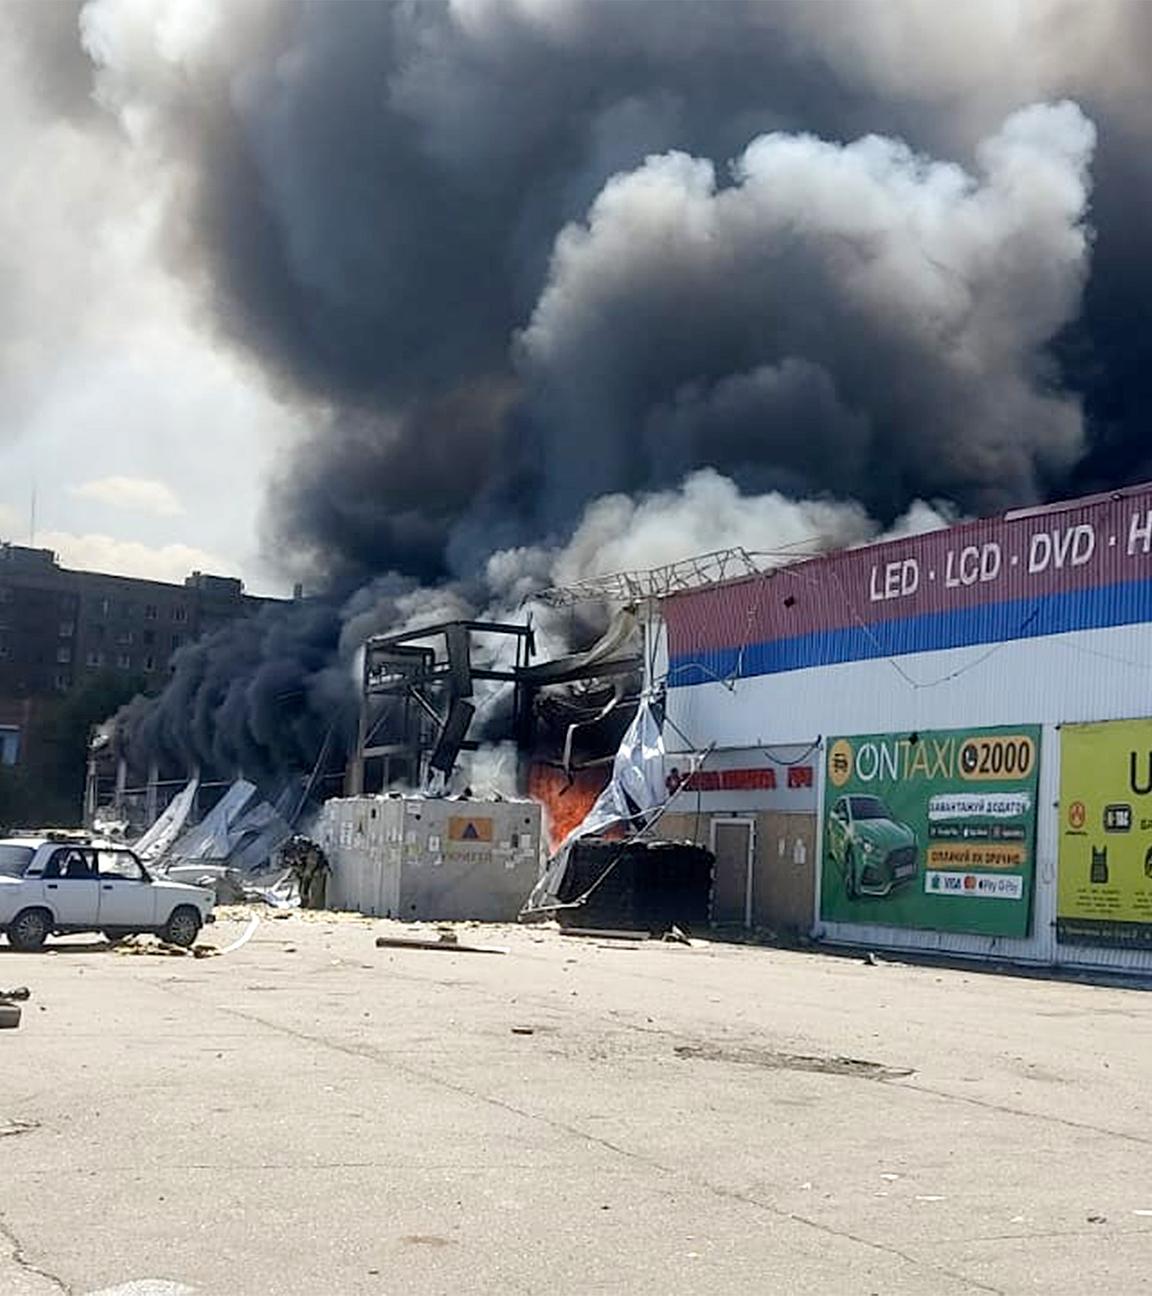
659,582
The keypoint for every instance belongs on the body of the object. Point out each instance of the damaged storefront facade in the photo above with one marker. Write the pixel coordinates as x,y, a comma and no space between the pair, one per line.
975,710
755,810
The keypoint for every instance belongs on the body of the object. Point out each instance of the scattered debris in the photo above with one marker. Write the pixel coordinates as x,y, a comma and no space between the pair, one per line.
10,1015
455,945
523,1030
773,1060
677,937
1097,1219
10,1128
19,993
873,960
143,945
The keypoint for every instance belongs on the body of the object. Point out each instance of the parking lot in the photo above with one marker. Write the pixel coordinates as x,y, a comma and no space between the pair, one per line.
311,1114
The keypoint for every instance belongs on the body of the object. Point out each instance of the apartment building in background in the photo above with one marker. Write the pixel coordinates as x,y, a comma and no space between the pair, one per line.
59,626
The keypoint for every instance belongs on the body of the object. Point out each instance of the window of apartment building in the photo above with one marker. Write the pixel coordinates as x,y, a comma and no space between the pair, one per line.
177,640
124,661
128,609
63,682
4,653
150,611
67,629
104,606
63,655
125,637
179,614
148,637
149,663
9,744
95,659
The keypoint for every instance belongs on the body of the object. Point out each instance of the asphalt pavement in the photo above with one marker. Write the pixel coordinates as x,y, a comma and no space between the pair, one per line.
311,1114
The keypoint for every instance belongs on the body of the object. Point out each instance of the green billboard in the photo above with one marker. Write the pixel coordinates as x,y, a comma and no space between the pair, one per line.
933,830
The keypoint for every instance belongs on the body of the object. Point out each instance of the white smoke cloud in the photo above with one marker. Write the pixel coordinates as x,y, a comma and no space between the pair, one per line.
979,59
708,512
917,296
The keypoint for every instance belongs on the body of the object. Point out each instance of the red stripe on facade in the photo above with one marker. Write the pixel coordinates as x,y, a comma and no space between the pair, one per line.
1083,544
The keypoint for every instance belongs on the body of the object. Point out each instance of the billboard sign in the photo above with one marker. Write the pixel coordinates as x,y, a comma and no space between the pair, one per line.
934,830
1104,893
1030,573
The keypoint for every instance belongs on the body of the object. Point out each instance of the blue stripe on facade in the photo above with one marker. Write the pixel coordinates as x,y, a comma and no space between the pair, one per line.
1086,609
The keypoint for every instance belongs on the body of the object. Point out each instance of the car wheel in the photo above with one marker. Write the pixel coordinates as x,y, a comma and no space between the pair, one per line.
182,927
850,887
29,929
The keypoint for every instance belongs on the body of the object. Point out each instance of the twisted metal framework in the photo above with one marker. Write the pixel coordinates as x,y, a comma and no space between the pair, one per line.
658,582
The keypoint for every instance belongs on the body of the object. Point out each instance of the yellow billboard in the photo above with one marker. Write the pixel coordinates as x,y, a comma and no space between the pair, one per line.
1104,893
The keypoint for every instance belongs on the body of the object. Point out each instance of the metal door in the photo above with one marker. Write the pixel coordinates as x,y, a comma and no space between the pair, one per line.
732,879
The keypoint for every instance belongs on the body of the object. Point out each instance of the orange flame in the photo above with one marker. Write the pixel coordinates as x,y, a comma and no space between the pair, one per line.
565,803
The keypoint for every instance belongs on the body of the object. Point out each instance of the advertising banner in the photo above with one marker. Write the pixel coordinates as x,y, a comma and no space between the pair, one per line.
934,830
1104,893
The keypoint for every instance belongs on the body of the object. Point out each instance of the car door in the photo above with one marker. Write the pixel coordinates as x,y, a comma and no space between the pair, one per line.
127,896
70,887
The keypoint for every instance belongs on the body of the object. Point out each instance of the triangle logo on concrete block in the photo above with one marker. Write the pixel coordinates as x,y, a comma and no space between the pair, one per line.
468,829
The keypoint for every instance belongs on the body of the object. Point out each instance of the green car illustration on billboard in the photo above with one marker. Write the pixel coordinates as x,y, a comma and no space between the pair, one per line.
874,851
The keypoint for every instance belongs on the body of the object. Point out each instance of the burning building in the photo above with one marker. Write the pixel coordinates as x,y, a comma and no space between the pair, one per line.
554,290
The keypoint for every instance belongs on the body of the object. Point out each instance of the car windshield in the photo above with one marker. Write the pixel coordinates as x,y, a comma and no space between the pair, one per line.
868,808
14,860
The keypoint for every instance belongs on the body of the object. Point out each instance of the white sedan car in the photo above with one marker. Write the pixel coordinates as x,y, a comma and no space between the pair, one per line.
50,884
